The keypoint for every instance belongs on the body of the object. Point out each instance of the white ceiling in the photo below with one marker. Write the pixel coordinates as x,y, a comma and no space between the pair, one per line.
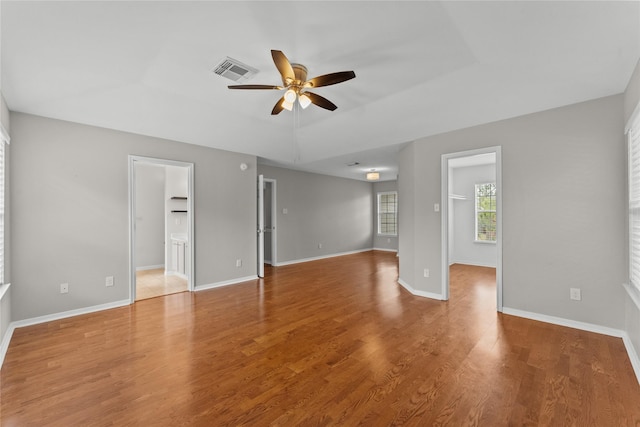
423,68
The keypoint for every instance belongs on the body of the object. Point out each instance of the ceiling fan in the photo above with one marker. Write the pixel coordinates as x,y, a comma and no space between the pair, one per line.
294,80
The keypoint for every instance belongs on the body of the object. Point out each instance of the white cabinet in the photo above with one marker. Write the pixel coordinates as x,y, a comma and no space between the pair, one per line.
179,256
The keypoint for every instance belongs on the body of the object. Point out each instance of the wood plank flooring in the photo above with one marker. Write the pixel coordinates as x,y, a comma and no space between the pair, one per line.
154,283
333,342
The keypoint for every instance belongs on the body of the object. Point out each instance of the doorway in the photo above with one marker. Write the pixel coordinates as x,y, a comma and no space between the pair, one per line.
267,214
161,249
467,178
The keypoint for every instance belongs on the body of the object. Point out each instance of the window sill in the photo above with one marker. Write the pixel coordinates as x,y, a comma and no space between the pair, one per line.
634,294
485,242
387,235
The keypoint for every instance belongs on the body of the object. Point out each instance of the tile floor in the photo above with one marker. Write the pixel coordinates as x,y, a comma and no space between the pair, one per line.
154,283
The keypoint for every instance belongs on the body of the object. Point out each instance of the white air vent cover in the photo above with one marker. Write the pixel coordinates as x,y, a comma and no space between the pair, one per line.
234,70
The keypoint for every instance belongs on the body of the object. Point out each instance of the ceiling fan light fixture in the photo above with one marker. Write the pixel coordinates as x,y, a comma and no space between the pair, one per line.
287,105
373,176
290,97
304,100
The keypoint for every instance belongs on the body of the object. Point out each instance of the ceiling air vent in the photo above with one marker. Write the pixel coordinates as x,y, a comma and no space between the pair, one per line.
234,70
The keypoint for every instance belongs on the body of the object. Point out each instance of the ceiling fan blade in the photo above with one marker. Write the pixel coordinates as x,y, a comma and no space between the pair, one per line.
330,79
255,87
278,107
284,66
321,101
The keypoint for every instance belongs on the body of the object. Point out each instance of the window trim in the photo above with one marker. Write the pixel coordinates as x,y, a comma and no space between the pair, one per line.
378,213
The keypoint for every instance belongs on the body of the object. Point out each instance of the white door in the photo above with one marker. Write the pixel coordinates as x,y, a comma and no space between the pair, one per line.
260,225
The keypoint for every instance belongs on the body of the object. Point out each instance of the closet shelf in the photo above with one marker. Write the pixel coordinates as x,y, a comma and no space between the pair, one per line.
457,197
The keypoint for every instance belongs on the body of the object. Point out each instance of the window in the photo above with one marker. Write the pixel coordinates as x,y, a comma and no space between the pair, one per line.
4,139
388,213
634,202
485,212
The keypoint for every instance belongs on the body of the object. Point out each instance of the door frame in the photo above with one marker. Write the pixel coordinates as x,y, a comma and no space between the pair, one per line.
260,225
274,218
262,183
444,212
132,218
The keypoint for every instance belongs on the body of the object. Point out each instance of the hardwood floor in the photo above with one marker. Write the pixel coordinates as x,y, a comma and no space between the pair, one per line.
154,283
330,342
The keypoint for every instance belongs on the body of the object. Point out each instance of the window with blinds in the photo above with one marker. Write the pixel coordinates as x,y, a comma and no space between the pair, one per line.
4,140
486,219
634,202
388,213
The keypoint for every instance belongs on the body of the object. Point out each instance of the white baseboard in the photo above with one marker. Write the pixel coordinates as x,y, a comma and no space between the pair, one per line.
175,273
70,313
4,346
149,267
589,327
419,293
633,356
385,249
6,340
225,283
298,261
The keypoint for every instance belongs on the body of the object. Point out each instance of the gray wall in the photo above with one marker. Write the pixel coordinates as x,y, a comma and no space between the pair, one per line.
149,215
464,248
383,242
334,212
70,213
268,224
632,94
563,209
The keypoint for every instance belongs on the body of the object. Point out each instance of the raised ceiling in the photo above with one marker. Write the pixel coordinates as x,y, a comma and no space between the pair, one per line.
423,68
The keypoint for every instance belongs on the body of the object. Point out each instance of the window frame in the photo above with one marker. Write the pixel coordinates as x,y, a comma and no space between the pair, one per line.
379,213
476,212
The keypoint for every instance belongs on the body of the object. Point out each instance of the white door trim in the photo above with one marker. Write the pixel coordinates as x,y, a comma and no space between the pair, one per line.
132,219
260,226
444,212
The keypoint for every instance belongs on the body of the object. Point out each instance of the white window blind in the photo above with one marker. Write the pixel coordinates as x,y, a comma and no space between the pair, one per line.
634,202
4,139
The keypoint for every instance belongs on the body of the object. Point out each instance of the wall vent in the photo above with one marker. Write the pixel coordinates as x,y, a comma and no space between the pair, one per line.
234,70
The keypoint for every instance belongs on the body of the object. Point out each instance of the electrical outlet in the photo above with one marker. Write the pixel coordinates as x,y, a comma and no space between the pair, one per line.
238,263
426,272
64,288
319,245
108,281
436,207
575,294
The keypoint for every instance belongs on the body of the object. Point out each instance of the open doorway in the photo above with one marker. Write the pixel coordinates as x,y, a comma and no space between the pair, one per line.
267,235
471,214
161,227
